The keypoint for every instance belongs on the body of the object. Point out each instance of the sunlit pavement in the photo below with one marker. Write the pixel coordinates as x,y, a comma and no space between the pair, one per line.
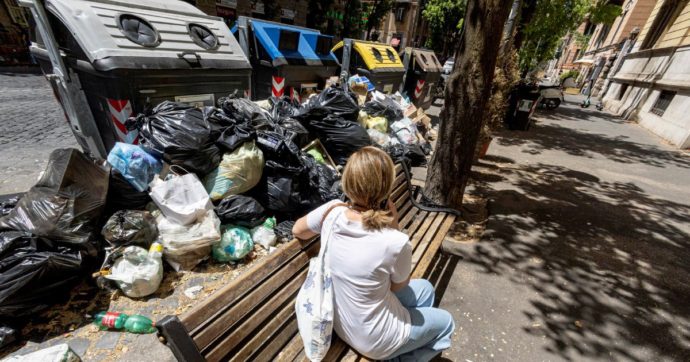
587,249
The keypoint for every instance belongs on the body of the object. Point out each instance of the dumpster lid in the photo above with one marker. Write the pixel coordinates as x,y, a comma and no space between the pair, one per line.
427,60
152,34
293,44
376,56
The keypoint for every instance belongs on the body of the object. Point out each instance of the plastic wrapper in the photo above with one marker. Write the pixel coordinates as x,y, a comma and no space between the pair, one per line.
180,133
238,172
235,244
130,227
67,202
379,138
275,146
138,272
245,111
241,211
134,164
284,231
123,196
264,234
378,123
186,246
295,131
7,203
182,199
35,272
58,353
340,137
405,131
384,107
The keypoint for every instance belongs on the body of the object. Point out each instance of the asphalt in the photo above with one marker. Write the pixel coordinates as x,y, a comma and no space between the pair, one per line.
586,251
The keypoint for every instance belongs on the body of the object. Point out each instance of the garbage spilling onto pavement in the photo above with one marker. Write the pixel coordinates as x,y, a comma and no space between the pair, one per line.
201,185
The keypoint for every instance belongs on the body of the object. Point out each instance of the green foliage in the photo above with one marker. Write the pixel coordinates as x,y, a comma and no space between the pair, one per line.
445,21
352,21
605,13
569,74
582,40
316,17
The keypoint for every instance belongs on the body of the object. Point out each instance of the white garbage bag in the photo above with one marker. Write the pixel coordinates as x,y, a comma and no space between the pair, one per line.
182,199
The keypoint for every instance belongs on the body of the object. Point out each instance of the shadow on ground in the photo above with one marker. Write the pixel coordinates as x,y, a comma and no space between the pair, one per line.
608,262
552,136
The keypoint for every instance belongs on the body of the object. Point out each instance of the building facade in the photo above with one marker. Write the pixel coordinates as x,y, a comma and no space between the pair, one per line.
14,34
399,27
652,85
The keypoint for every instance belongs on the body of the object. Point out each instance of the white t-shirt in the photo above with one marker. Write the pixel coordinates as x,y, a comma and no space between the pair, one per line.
368,316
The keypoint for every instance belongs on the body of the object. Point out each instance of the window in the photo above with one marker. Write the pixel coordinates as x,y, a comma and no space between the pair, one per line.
662,102
667,13
399,14
621,93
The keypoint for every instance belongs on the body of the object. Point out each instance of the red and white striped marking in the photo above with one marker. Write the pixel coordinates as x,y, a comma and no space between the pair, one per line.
278,86
294,95
120,110
418,88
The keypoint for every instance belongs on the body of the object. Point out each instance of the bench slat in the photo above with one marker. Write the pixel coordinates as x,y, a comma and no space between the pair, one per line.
242,331
435,244
425,239
281,340
224,297
244,306
264,335
291,350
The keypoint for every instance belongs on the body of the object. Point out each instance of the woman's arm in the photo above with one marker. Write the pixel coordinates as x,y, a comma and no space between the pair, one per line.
301,230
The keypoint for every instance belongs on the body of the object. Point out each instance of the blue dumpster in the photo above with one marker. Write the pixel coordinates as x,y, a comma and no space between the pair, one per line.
286,59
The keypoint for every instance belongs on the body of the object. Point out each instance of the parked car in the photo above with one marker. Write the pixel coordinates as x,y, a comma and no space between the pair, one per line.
448,66
551,96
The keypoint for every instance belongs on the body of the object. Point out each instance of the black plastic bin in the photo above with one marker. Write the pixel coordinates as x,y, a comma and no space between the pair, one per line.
521,106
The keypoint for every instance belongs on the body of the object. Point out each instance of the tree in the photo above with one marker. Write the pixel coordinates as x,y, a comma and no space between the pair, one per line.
316,17
352,19
445,21
465,98
378,10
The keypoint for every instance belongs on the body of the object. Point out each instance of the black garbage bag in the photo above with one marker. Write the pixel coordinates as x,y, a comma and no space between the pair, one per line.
412,155
130,227
180,133
7,203
283,108
35,272
122,195
321,180
283,189
340,137
244,111
384,108
241,211
295,131
67,202
7,336
284,231
332,101
276,146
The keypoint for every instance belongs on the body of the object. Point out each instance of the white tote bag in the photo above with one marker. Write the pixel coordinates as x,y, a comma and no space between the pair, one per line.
314,304
182,199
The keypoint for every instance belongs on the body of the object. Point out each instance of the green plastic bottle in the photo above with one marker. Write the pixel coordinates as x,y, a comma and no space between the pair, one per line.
119,321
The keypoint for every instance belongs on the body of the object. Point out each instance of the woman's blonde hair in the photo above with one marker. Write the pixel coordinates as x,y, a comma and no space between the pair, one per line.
368,181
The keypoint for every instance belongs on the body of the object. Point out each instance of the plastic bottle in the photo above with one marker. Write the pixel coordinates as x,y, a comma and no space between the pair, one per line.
119,321
264,234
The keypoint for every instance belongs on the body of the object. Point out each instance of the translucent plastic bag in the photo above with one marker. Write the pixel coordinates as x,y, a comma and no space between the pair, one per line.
379,138
186,246
138,272
405,131
235,244
134,164
238,172
182,199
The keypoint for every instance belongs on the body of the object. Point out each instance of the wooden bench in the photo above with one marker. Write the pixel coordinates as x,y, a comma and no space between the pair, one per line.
253,317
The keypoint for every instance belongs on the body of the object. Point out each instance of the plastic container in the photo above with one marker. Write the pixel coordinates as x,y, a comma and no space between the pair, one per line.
378,62
264,234
422,73
119,321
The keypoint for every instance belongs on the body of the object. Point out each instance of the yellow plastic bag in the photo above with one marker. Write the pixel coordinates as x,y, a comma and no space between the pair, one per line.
378,123
238,172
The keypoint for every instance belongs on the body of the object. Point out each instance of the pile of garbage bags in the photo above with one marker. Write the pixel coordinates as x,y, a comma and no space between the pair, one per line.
199,183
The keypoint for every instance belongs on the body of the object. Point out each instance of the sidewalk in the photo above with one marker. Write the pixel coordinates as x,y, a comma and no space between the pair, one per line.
586,251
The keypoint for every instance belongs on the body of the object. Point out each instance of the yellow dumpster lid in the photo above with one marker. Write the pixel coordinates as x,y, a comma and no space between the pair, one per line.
376,56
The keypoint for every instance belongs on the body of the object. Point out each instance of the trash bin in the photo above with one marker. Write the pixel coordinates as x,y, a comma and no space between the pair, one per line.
376,61
108,59
521,105
287,59
422,73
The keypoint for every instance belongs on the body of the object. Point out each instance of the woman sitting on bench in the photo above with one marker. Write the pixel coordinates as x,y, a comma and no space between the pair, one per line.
379,311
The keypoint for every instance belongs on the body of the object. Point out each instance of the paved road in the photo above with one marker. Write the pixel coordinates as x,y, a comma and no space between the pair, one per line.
31,126
587,247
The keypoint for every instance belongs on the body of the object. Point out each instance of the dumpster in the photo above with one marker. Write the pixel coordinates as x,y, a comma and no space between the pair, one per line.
109,59
522,103
285,58
376,61
422,74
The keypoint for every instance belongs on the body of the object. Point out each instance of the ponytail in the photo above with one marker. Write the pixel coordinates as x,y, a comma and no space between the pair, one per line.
376,219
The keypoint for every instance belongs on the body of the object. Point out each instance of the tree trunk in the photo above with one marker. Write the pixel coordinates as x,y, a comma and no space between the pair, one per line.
465,100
